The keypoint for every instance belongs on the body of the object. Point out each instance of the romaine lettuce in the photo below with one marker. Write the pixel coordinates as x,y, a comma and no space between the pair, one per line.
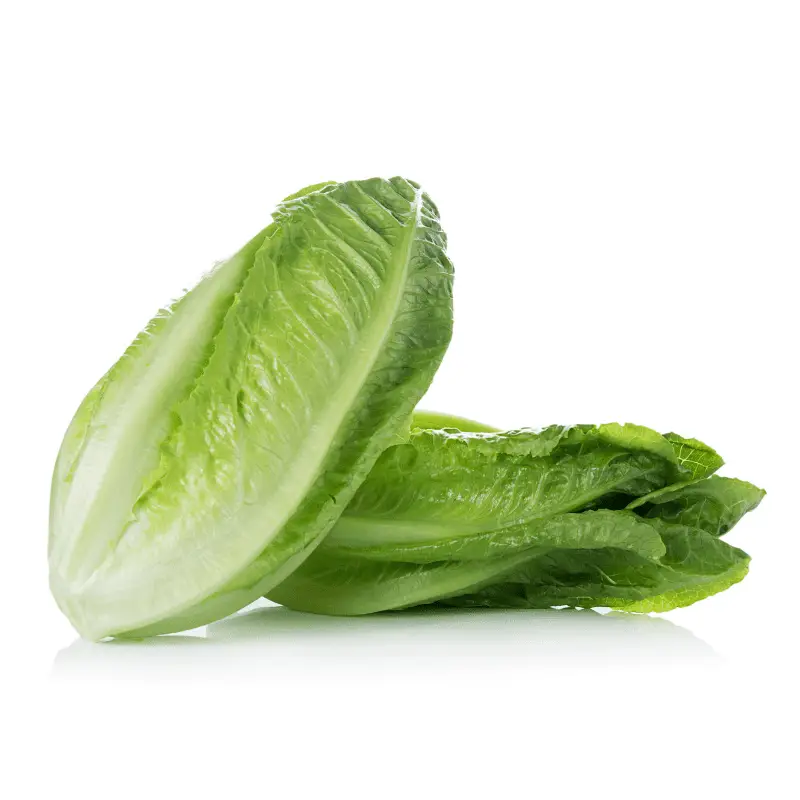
613,515
218,451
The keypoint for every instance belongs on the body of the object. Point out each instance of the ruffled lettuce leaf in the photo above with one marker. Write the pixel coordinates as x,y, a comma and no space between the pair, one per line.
713,504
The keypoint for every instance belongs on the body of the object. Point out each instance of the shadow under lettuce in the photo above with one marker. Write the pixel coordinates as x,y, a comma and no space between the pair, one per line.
271,639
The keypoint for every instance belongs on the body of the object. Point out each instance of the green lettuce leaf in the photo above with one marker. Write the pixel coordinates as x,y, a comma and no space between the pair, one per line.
223,445
347,582
442,484
713,505
695,565
694,455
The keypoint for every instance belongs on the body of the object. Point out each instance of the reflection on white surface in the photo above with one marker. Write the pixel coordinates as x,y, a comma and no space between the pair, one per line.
271,639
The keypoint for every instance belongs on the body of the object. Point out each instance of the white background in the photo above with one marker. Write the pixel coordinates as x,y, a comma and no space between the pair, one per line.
620,183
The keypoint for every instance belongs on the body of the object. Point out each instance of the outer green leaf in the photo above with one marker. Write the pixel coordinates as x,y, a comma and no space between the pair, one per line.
714,504
338,581
445,484
695,566
582,570
345,585
215,455
701,565
696,456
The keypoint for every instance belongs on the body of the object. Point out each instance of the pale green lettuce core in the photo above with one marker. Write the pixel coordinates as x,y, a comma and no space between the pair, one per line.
588,516
224,444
